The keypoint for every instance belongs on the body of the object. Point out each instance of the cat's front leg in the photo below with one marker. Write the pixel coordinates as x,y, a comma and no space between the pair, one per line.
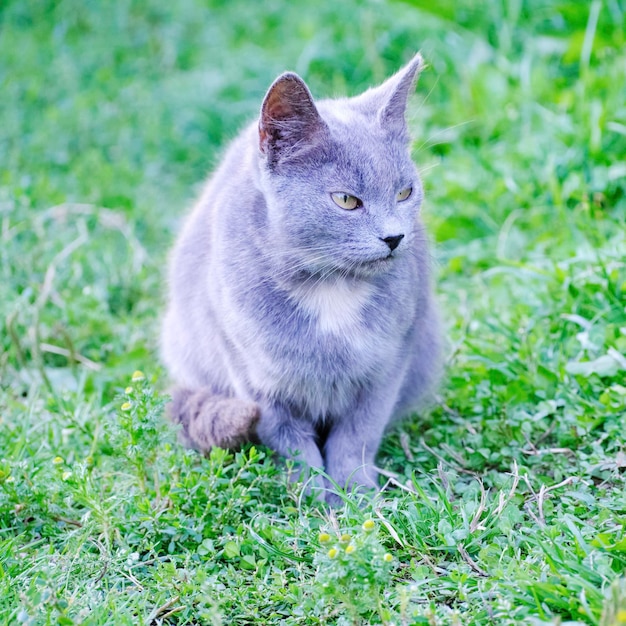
290,436
354,439
350,450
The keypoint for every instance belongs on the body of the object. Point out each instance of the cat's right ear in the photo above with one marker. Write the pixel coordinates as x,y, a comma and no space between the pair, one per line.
290,123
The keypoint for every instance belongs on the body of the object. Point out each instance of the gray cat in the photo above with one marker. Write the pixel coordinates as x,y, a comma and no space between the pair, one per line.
301,312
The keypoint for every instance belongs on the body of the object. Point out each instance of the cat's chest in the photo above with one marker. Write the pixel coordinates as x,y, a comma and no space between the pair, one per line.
336,307
319,343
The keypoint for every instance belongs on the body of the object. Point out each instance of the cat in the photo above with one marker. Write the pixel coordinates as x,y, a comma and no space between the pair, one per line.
301,312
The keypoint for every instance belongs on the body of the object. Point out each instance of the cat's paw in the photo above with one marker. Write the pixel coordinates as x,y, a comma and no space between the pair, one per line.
358,484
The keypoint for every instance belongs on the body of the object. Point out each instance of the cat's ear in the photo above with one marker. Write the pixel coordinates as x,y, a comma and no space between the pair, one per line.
289,123
389,100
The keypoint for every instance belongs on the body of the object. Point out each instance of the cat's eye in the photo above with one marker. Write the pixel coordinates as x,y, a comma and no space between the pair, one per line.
404,194
346,201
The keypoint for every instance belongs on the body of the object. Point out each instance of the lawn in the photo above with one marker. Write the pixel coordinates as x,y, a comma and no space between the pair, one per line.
505,501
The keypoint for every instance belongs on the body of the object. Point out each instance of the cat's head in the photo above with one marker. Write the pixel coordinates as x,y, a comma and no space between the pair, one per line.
342,192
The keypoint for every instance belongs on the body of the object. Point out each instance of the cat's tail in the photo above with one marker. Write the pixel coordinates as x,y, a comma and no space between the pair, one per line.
211,421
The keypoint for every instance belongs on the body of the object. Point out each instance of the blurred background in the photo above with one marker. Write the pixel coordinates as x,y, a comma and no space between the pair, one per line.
112,115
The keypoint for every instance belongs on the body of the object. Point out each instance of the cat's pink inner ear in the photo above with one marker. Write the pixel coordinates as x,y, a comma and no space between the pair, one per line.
397,89
288,108
288,97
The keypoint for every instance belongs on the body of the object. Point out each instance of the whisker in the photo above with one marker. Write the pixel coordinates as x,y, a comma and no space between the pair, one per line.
441,131
427,96
426,168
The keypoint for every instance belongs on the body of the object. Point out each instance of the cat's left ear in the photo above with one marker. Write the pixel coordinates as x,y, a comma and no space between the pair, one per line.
290,124
391,97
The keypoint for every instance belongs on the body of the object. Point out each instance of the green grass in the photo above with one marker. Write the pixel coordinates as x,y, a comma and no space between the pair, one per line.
506,502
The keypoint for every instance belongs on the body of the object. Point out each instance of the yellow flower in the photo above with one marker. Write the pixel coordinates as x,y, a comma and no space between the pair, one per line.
324,538
128,390
350,549
57,460
332,553
137,375
387,557
369,525
10,479
126,406
345,538
66,475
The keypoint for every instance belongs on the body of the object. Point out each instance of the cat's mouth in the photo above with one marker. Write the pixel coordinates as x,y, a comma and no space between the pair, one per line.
348,268
371,267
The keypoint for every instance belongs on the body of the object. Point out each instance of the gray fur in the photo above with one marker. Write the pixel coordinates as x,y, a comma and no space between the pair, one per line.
208,420
293,309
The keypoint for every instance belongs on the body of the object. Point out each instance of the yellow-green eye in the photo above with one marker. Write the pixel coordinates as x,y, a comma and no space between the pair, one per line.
404,194
346,201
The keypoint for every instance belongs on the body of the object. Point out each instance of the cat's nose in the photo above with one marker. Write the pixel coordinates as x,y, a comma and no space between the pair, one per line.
393,241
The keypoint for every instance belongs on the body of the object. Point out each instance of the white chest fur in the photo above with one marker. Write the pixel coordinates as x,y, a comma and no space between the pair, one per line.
337,305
